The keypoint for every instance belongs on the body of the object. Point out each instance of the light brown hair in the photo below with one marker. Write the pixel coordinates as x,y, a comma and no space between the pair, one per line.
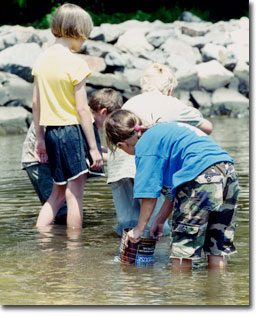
71,21
120,125
106,98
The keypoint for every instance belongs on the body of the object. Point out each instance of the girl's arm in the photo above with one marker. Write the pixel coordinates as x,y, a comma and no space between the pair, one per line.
147,208
86,124
40,146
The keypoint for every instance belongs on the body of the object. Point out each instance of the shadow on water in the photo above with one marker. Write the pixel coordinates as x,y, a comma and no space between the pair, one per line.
58,266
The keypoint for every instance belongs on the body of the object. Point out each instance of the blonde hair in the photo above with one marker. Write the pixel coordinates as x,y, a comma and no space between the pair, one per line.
120,125
106,98
71,21
158,77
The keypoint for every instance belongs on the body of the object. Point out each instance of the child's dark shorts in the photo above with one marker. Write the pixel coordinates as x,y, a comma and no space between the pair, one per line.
68,153
204,215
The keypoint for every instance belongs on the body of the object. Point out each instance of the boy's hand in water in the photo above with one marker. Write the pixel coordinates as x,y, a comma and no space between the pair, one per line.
134,235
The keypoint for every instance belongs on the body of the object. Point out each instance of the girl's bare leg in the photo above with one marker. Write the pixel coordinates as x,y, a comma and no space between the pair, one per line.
180,264
217,261
51,206
74,199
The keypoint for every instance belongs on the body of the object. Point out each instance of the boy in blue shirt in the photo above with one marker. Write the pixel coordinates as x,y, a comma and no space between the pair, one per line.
197,178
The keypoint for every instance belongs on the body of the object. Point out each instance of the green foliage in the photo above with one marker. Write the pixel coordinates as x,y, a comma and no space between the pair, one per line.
46,20
21,3
39,13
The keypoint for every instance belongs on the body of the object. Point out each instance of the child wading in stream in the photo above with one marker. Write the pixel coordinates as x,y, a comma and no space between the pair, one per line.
60,105
197,178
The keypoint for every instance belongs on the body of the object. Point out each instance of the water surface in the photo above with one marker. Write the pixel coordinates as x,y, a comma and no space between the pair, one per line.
66,267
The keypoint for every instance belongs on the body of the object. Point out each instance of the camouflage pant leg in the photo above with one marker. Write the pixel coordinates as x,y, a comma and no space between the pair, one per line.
204,215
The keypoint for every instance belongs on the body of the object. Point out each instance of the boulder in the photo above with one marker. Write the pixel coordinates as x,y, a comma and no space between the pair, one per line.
14,120
117,81
212,51
19,59
213,75
115,59
97,48
240,51
187,78
133,76
176,47
158,36
134,42
241,71
97,34
229,102
188,16
202,101
7,40
15,90
193,29
111,32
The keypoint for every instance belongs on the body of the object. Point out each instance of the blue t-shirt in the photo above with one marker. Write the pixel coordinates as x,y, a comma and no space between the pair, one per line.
170,154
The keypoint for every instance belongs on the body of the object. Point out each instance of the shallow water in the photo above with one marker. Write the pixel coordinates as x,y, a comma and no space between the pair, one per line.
63,267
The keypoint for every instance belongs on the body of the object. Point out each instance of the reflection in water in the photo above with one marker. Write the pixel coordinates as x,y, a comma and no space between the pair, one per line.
60,266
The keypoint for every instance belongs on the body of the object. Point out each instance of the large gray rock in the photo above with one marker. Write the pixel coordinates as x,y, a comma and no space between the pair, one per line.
177,47
187,78
13,120
212,51
241,71
188,16
117,81
97,48
115,59
133,76
213,75
230,102
194,28
19,59
111,32
240,51
158,36
15,91
7,40
134,42
202,100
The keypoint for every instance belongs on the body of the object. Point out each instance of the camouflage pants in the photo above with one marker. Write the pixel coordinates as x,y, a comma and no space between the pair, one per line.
204,215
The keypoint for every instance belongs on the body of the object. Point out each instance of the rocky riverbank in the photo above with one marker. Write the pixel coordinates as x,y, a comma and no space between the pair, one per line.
210,60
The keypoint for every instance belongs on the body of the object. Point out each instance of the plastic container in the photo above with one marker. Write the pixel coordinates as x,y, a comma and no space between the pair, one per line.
141,253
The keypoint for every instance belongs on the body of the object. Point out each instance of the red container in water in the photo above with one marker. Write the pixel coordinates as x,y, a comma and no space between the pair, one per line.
141,253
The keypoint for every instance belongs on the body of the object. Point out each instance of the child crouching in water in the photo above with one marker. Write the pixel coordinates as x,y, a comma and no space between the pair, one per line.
197,178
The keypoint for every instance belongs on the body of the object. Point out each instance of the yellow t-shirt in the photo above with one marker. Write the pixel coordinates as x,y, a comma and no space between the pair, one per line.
57,72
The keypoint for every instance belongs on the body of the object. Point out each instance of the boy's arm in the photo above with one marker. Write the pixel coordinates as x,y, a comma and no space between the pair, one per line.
205,126
86,124
40,146
157,225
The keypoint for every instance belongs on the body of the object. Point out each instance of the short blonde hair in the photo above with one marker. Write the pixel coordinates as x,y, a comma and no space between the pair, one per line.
71,21
158,77
106,98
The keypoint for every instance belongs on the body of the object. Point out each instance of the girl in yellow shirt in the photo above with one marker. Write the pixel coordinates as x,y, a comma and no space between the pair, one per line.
60,105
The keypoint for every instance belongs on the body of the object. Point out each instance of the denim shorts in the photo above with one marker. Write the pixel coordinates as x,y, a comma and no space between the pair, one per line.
68,153
204,215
